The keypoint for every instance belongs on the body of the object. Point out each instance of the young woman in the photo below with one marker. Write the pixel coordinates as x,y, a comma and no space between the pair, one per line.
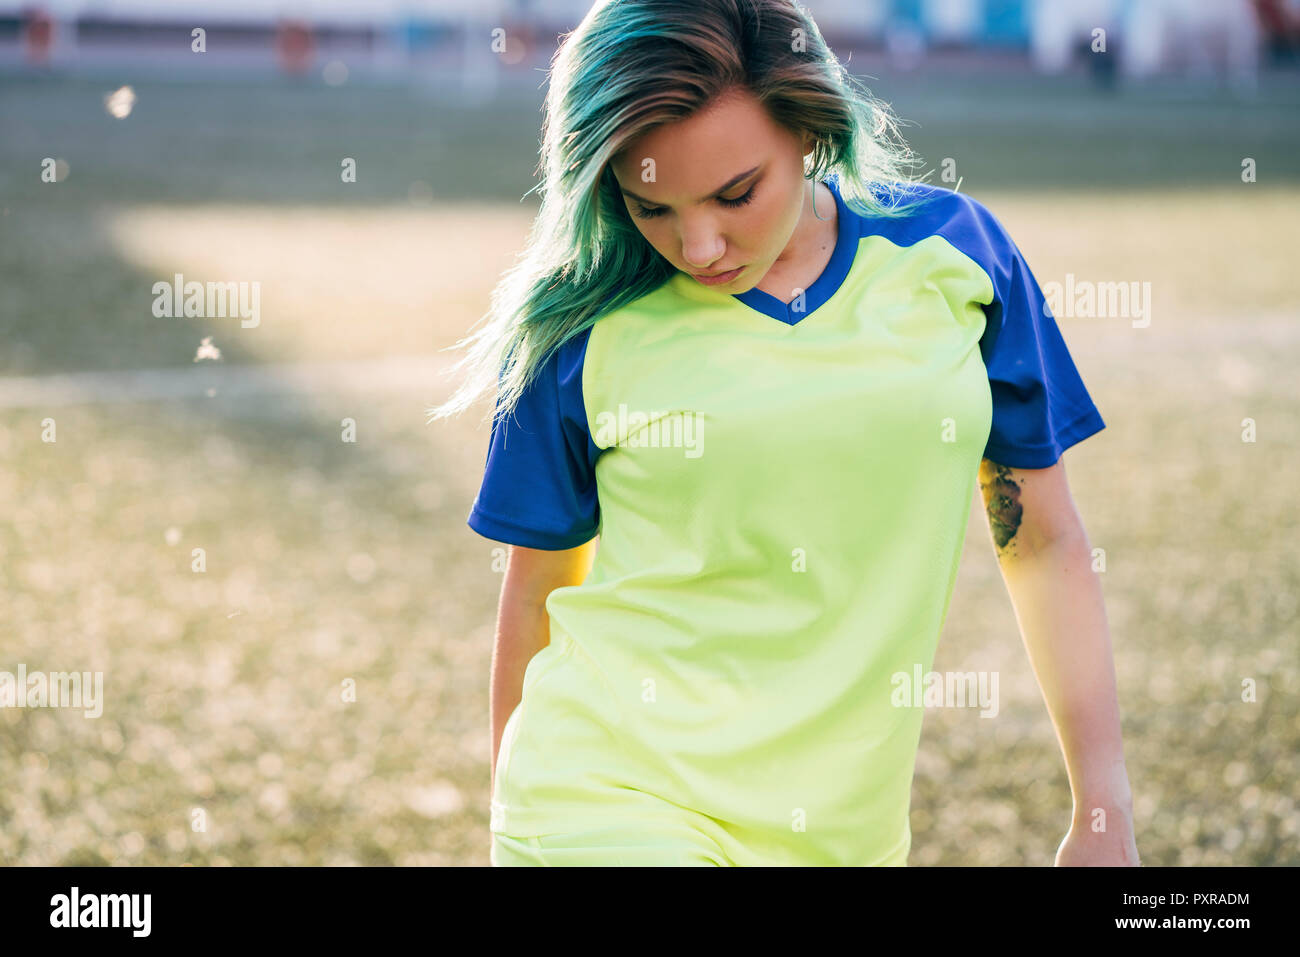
766,370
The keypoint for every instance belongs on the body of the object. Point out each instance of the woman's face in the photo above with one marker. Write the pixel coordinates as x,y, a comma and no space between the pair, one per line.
725,190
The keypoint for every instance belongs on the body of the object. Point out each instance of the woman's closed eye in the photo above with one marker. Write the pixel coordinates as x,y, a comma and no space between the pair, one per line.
745,200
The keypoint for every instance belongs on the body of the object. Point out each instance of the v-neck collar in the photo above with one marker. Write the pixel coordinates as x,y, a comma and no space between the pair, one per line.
825,285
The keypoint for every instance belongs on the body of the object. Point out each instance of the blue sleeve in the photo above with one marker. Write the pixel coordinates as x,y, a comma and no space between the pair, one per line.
539,483
1040,404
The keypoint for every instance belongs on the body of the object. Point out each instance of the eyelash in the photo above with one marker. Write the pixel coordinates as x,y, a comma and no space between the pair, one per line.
745,200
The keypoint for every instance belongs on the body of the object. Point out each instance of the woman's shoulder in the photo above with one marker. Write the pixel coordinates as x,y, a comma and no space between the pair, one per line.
926,202
921,210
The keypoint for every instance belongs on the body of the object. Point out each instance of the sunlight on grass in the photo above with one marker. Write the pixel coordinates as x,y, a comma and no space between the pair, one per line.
335,283
1207,253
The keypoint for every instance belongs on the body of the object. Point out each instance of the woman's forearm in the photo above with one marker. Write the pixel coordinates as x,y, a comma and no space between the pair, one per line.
523,629
523,623
1062,615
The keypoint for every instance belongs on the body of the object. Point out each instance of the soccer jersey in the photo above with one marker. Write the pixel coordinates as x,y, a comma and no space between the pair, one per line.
781,492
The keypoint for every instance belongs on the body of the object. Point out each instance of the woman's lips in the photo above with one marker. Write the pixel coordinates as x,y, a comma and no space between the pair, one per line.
719,279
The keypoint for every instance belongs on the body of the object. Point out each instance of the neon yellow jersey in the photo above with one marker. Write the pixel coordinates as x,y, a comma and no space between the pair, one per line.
781,492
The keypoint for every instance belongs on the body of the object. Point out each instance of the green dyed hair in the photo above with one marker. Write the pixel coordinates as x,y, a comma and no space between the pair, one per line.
628,67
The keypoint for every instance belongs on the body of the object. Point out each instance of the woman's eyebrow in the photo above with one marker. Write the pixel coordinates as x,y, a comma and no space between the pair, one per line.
721,189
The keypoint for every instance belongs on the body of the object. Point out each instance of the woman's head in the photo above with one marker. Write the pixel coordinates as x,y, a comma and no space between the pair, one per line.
660,97
723,189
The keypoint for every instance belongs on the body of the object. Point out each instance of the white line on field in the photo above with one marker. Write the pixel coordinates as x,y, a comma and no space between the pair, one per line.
397,374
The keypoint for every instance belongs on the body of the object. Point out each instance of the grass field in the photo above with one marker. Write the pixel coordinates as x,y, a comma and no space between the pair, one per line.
330,561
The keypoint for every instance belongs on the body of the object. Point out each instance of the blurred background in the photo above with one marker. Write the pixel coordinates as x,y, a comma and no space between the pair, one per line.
244,522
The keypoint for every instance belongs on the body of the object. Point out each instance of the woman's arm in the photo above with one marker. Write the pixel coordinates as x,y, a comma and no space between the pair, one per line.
523,626
1046,562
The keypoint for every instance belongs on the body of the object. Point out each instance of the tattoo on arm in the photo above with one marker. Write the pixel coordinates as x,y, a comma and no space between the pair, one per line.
1001,501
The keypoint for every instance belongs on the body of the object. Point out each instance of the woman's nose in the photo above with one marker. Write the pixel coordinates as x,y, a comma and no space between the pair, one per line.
701,248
